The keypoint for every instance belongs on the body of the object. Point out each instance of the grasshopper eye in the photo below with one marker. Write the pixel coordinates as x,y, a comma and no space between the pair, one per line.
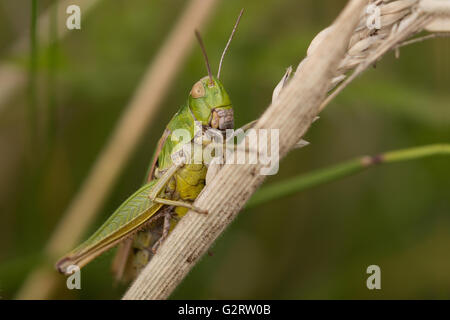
198,90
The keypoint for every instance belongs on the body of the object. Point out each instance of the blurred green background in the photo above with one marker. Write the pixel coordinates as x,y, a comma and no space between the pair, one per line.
315,244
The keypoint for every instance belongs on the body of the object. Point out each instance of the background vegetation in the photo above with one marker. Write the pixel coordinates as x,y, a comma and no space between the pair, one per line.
315,244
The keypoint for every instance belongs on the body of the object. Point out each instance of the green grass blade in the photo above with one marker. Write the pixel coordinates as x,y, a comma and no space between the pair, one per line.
322,176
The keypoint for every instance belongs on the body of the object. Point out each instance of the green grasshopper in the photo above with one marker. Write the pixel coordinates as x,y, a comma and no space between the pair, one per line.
145,219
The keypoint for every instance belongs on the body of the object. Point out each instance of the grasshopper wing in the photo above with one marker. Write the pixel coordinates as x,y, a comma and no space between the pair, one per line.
124,251
128,218
151,170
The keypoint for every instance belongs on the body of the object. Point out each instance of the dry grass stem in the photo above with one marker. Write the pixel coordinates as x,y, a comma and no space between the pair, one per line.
399,20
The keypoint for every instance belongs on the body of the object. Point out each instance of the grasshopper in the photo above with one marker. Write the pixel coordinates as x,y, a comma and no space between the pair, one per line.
144,220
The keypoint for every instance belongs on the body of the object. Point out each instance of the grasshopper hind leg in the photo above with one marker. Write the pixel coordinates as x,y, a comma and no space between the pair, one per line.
179,203
168,216
149,240
146,238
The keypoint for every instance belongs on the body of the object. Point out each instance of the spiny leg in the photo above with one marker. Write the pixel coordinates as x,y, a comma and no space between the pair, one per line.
165,233
157,216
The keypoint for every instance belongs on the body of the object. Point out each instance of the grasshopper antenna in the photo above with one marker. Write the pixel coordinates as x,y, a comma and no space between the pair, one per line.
199,38
229,41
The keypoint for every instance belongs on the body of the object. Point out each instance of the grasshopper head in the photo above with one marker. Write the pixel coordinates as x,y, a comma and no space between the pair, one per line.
210,104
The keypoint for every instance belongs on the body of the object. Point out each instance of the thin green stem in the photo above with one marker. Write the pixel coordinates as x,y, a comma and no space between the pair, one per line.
322,176
417,153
